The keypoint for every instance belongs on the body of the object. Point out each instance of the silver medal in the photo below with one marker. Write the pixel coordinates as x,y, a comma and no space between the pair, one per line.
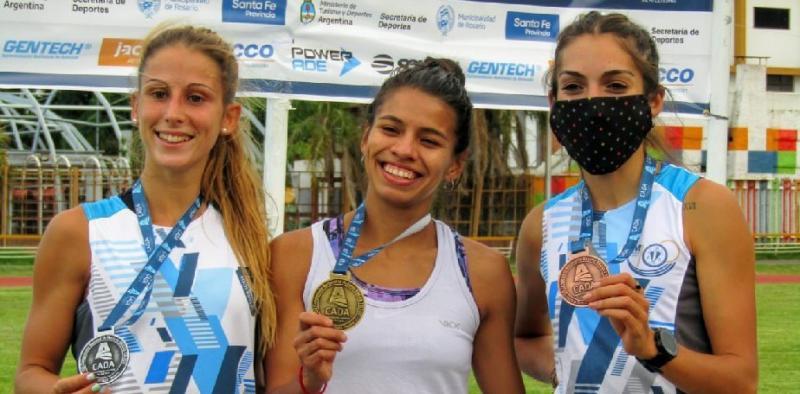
106,356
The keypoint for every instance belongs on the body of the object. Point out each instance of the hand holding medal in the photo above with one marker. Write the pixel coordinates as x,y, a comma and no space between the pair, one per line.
579,276
584,270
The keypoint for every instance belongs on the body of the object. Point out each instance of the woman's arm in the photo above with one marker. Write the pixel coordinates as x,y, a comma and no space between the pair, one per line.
718,238
534,334
302,337
493,358
60,277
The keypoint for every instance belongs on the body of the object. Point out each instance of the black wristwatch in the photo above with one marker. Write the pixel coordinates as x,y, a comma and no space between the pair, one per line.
667,350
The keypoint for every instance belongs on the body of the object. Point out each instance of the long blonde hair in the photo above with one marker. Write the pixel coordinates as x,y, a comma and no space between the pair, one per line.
230,181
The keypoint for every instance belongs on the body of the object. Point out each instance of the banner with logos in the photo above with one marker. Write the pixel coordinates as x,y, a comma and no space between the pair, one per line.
342,50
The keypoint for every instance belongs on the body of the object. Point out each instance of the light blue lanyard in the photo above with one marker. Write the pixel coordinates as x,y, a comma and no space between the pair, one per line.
156,256
639,214
346,259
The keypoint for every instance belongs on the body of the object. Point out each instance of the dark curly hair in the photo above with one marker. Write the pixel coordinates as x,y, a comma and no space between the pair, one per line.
442,78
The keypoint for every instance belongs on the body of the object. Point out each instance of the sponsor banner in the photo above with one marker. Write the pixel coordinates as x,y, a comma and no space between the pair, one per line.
344,49
119,52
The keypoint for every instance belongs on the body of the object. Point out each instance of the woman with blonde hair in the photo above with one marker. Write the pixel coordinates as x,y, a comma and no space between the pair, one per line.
164,286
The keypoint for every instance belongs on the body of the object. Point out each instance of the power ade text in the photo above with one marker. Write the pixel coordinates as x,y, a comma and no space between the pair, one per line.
307,59
501,69
673,75
43,48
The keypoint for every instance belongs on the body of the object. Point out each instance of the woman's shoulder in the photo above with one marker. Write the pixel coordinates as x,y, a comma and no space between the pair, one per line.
707,192
70,225
295,239
64,247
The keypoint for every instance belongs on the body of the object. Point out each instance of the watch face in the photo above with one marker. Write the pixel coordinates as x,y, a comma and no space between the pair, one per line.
668,342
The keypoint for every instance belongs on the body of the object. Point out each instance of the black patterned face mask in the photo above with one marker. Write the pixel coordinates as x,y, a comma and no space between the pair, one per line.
601,133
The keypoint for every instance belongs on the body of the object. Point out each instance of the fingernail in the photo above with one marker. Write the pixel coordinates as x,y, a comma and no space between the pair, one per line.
588,295
90,376
96,388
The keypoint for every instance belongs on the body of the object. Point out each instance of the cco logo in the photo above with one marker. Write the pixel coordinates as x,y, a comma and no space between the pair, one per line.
253,51
672,75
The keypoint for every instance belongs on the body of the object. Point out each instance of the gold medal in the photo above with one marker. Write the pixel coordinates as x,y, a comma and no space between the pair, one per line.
340,300
578,277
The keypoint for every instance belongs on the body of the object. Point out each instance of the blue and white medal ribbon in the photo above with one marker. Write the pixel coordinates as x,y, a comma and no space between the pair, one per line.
345,259
107,355
338,298
639,214
584,269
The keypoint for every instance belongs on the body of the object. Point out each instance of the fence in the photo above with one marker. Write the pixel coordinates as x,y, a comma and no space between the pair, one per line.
33,194
772,210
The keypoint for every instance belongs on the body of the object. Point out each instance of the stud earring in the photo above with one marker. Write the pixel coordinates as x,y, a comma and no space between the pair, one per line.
224,130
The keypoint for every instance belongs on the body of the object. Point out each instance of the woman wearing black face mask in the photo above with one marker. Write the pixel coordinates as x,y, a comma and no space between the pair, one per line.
640,278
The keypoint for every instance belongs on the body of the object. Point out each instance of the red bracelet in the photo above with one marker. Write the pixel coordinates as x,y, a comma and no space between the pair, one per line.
303,387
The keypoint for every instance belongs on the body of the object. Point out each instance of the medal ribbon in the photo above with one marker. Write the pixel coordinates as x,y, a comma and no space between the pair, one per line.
156,256
639,214
345,259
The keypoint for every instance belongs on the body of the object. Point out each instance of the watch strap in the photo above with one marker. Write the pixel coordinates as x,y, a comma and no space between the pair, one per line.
663,355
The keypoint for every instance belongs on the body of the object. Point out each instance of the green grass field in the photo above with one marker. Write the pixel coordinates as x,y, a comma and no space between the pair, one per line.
778,342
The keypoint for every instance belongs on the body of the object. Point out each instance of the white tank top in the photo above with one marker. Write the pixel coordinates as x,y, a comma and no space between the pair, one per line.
197,333
419,345
589,354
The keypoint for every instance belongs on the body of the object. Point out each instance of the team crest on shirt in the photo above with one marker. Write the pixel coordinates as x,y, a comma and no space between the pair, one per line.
655,259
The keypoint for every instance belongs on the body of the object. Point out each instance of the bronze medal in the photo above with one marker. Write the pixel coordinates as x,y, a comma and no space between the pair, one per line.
578,277
340,300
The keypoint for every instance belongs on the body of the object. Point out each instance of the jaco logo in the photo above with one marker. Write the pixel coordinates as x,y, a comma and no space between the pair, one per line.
120,52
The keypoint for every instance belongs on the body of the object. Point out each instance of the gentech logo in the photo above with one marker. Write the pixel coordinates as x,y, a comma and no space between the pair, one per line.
675,75
496,70
120,52
44,49
384,64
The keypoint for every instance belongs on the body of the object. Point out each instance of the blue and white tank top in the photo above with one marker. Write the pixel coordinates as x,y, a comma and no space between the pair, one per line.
589,354
198,332
417,344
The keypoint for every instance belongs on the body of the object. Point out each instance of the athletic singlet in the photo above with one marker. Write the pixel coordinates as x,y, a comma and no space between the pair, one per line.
422,344
197,333
589,354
